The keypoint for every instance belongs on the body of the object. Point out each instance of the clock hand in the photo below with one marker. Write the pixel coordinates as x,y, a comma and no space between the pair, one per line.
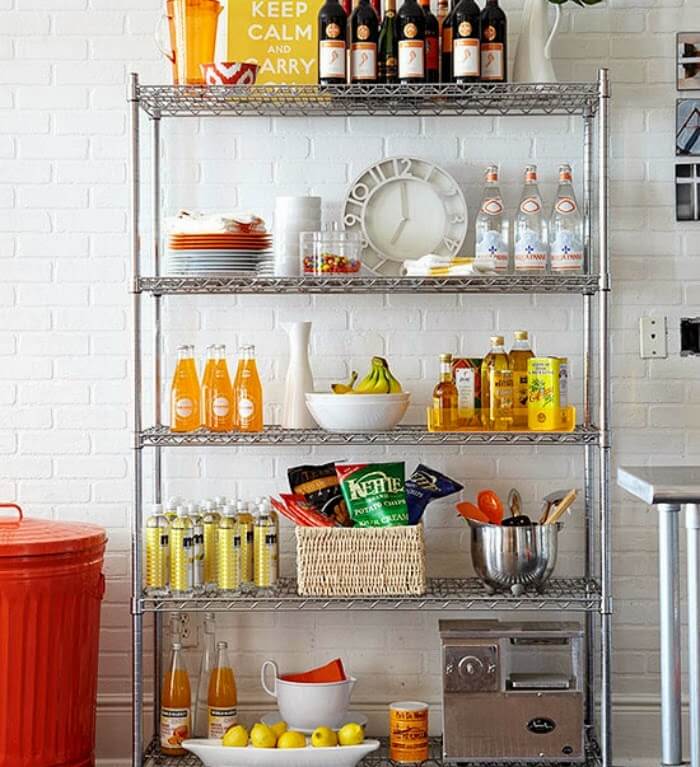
398,231
404,201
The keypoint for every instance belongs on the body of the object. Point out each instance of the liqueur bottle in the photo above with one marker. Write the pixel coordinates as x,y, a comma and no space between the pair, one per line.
364,33
446,44
332,30
432,44
388,64
411,36
466,33
494,41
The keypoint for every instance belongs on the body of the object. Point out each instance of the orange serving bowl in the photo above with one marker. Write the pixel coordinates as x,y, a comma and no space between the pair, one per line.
229,73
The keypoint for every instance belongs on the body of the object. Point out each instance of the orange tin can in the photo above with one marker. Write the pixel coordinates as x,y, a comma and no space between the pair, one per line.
408,731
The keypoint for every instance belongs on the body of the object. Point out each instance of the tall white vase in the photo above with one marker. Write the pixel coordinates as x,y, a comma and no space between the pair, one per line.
533,56
300,380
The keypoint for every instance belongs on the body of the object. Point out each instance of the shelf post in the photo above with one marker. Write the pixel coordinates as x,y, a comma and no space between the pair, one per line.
137,514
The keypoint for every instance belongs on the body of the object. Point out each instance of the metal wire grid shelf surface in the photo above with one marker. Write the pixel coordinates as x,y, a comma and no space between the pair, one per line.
161,436
580,284
379,758
318,101
442,594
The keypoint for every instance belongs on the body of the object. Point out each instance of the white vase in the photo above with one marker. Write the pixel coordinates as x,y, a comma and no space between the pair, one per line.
300,380
533,56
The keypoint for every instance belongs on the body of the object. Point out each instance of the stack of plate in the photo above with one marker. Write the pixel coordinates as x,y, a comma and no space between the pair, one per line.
216,253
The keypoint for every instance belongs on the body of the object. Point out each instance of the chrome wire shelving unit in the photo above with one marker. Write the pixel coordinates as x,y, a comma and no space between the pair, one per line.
590,594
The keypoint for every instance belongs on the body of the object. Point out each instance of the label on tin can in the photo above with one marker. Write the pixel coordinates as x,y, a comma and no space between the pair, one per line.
408,732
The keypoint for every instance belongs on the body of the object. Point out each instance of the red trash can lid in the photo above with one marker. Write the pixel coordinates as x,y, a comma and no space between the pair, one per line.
22,536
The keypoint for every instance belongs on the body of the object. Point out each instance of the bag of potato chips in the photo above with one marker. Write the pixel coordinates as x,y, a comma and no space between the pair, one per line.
375,493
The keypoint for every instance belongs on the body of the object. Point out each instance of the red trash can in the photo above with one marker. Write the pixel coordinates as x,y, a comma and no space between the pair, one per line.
51,588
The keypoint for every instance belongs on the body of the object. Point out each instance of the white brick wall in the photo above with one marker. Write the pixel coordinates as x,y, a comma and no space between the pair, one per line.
64,346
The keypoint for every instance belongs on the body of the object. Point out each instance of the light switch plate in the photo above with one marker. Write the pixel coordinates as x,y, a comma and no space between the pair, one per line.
653,337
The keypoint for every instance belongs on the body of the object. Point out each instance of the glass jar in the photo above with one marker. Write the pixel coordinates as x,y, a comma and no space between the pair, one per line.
330,253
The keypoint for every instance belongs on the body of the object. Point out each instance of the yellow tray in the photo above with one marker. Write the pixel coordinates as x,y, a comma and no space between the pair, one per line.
568,423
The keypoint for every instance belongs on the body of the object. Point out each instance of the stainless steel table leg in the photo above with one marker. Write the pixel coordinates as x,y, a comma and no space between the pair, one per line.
692,524
669,614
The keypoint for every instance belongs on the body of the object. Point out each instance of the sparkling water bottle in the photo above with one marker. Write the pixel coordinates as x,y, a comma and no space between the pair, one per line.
492,227
566,227
530,228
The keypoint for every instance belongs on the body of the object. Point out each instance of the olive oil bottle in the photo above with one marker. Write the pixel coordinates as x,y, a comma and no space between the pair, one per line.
496,388
519,355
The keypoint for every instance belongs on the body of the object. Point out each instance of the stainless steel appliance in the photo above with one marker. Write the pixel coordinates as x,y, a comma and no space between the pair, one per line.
512,691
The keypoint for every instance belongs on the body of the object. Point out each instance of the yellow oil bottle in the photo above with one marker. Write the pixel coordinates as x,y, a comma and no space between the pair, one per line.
520,353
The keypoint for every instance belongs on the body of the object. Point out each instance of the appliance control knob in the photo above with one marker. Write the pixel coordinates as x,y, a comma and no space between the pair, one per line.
470,666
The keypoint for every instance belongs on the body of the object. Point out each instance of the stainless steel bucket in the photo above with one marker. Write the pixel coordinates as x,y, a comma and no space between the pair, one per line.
515,558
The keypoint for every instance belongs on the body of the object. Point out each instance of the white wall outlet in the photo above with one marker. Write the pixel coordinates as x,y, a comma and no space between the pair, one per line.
185,630
653,337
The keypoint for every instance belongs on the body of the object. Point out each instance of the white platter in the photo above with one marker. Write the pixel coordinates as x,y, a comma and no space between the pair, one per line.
213,754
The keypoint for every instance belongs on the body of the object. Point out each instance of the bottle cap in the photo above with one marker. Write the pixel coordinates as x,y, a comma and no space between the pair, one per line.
174,502
182,511
220,500
497,340
208,505
177,646
229,510
531,173
445,358
492,173
222,645
520,335
157,508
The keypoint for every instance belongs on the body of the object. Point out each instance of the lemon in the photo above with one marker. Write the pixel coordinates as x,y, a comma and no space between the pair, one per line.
324,737
351,734
278,728
261,736
236,736
291,739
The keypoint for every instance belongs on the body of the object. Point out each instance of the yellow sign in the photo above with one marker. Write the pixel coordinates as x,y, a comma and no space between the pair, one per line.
279,35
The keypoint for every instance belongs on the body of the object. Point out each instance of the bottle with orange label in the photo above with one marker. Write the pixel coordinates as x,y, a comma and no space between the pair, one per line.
222,700
184,393
466,33
219,395
247,392
175,705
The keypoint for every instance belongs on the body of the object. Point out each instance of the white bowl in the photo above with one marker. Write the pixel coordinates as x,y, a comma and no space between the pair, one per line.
358,412
213,754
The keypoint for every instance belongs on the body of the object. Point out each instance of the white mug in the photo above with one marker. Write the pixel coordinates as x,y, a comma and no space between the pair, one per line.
306,706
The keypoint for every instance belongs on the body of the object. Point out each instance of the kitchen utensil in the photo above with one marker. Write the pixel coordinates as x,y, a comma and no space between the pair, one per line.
470,511
230,73
358,412
564,504
515,505
490,504
213,754
352,717
512,692
515,558
305,706
548,501
330,253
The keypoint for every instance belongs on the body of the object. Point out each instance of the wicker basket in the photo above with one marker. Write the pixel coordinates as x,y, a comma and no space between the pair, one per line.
360,561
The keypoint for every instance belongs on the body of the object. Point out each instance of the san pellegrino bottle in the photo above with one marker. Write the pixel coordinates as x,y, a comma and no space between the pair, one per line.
411,35
332,30
206,665
157,528
466,34
520,353
530,229
175,705
364,34
181,553
566,227
432,44
222,696
492,227
494,42
389,46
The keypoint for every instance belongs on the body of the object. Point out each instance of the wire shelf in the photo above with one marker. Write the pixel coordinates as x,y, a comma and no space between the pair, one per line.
578,284
380,758
161,436
575,594
318,101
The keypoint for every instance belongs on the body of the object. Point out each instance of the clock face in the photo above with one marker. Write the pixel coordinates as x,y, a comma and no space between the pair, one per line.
405,208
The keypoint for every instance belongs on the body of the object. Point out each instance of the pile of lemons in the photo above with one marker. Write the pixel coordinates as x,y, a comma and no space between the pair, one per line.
278,736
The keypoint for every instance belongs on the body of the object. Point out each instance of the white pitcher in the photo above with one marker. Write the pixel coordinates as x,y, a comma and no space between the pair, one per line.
533,56
300,380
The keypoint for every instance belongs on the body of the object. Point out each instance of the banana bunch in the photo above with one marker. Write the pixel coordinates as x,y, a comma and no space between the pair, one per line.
379,380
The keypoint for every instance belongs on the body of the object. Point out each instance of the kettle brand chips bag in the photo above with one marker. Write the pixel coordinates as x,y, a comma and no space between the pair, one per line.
375,493
320,486
424,486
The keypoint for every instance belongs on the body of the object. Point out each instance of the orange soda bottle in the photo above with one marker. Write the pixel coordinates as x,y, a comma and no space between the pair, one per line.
247,392
184,392
175,705
207,378
221,416
222,698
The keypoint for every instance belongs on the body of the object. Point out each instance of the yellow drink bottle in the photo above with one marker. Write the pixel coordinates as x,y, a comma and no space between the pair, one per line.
175,705
207,378
265,555
171,507
246,525
210,523
184,393
181,554
519,355
496,359
228,551
197,547
247,393
222,698
157,528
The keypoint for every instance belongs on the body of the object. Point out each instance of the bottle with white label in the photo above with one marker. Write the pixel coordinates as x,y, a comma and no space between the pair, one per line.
494,42
223,697
411,36
466,33
247,391
184,392
219,395
175,705
364,35
566,227
492,227
332,56
530,228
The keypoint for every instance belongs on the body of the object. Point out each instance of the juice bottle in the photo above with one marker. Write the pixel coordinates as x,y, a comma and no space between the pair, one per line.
197,547
157,527
265,553
245,524
221,405
210,524
184,393
520,353
495,360
445,396
171,507
175,703
181,553
223,698
201,714
228,553
247,392
207,378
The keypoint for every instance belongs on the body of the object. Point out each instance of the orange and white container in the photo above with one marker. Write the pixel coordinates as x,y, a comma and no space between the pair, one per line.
408,731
